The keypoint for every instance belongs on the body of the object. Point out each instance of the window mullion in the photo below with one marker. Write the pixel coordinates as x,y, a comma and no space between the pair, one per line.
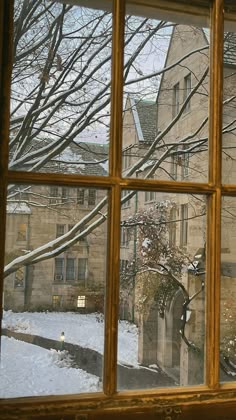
214,210
115,163
6,28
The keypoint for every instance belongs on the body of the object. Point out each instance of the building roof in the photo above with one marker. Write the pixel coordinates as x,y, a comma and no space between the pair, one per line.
145,118
79,157
229,46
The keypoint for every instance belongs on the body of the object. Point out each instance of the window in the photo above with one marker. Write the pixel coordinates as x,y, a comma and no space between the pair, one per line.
56,301
184,225
59,269
91,197
126,158
187,91
80,196
124,240
70,269
123,265
149,196
81,302
82,268
185,163
19,281
173,167
127,202
65,269
176,99
58,195
22,232
172,227
214,397
64,194
60,230
86,197
54,194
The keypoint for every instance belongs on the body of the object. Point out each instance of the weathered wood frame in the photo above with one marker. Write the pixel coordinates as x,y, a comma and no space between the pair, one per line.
212,398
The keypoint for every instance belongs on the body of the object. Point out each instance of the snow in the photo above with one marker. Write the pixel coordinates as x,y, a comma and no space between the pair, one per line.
19,208
86,330
36,371
146,243
28,370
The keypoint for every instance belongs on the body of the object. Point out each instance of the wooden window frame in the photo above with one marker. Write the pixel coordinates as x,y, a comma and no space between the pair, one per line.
211,400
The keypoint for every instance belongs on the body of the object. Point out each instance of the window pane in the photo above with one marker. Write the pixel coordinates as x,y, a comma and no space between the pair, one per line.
228,287
54,283
165,124
162,299
229,104
60,92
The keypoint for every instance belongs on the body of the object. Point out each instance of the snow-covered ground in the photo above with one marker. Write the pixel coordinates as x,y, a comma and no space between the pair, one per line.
30,370
86,330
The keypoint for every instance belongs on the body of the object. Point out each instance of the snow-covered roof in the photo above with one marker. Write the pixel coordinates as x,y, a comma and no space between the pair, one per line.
18,208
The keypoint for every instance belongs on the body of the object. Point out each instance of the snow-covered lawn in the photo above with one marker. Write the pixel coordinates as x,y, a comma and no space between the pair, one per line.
27,369
86,330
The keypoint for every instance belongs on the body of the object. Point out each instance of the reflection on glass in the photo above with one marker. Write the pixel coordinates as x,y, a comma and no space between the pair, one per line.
165,124
162,279
228,292
53,318
229,103
60,92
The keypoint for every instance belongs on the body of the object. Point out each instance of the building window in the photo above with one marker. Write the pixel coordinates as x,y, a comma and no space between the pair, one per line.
187,91
80,196
185,163
126,158
56,301
59,269
173,167
64,194
81,302
172,227
184,225
123,265
54,194
70,269
149,196
82,268
19,281
127,202
124,237
91,197
175,99
22,232
60,230
86,197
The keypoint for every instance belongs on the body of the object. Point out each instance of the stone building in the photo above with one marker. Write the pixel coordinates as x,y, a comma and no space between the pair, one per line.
75,278
180,130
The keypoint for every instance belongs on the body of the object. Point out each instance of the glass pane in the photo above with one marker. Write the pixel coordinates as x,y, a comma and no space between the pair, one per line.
60,92
228,287
162,278
54,287
165,124
229,104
